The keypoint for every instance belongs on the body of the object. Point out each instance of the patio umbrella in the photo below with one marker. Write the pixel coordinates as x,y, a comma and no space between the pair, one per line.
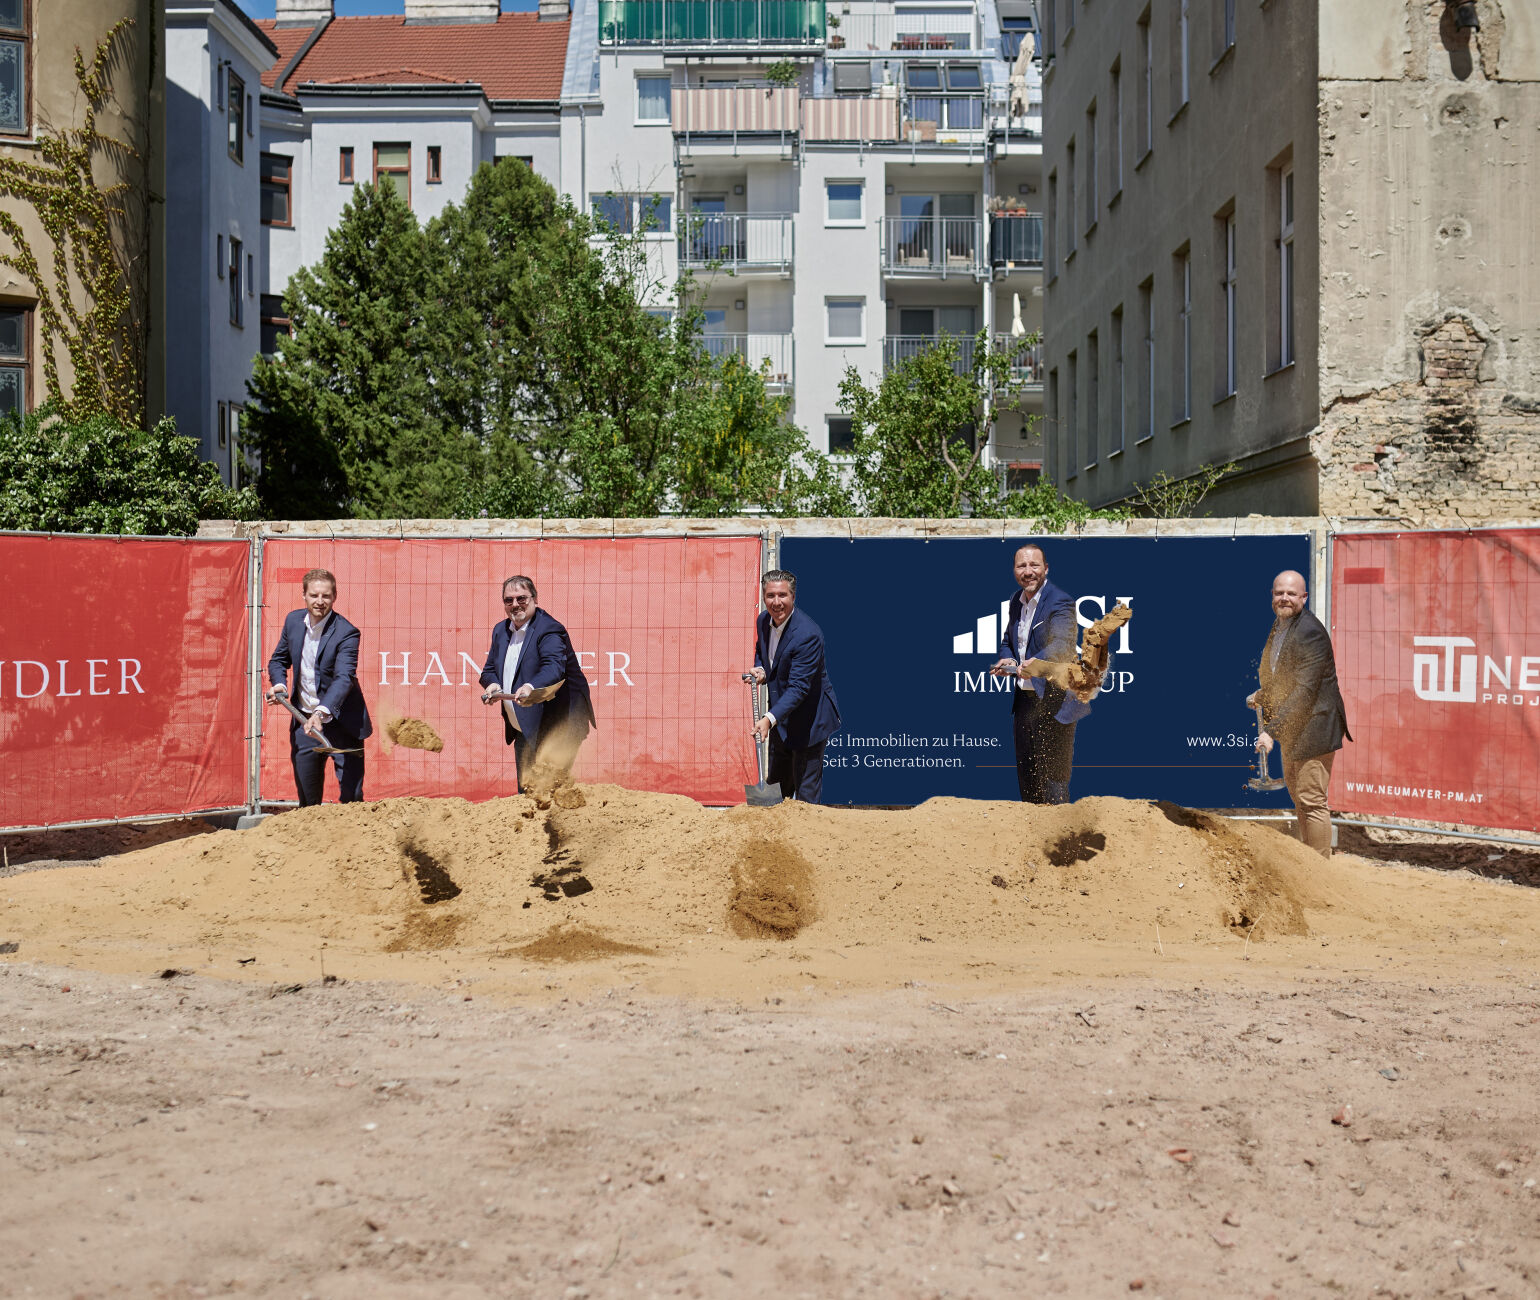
1018,330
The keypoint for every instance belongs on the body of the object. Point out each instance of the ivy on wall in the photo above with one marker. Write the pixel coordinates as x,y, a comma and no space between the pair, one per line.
92,278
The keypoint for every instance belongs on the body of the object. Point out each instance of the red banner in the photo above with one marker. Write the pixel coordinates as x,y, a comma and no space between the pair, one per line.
123,681
1437,638
662,628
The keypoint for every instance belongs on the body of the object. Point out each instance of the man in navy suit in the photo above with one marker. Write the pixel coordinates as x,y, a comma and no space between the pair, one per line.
322,648
788,654
532,660
1040,625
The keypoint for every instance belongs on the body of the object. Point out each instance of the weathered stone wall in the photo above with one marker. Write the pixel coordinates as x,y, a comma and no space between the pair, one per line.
1450,446
1430,337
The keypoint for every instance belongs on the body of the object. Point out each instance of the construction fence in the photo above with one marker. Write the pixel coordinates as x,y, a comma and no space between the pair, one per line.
132,669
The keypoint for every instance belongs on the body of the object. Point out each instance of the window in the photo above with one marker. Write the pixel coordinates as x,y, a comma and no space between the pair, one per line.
1146,41
1181,361
1118,393
964,76
345,165
1090,167
251,118
224,425
1071,420
1069,16
435,164
235,117
219,256
1224,27
277,174
393,165
1093,386
624,214
845,320
1115,143
1181,74
1147,361
842,434
237,298
251,275
1051,234
274,322
654,101
1286,267
844,206
1051,414
1226,370
15,58
852,78
15,360
1069,201
924,76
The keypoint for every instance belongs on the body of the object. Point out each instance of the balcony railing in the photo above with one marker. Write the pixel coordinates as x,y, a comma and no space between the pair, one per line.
775,354
898,348
736,241
906,32
1026,363
711,22
1016,241
735,110
928,246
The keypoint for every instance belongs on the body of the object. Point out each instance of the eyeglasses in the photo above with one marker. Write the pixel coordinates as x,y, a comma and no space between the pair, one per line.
517,600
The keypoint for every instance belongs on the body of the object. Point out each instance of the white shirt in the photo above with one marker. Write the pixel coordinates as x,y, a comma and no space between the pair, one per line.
309,697
1024,624
776,629
510,667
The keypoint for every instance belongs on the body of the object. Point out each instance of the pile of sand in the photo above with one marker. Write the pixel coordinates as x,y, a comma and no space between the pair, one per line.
654,888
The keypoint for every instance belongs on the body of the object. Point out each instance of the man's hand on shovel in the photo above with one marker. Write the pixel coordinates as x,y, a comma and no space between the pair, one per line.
315,722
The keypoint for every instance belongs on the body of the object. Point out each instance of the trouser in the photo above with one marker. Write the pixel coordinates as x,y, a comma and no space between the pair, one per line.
310,767
1307,781
1045,751
555,751
799,772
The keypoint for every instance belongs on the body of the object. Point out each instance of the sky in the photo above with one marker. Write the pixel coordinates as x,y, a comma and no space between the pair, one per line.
264,8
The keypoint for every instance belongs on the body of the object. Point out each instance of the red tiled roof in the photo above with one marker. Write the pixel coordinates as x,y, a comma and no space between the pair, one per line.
518,57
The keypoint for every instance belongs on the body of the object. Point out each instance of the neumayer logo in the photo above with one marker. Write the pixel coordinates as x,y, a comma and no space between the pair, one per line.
1434,675
989,631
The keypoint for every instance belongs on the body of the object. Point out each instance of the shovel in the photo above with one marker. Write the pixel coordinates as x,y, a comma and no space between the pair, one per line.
300,718
761,795
1262,781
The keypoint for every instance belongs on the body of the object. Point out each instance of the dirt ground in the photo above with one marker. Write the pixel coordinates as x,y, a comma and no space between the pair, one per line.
634,1048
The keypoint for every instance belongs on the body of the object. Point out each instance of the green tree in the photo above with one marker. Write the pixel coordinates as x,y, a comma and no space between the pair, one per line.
98,476
346,418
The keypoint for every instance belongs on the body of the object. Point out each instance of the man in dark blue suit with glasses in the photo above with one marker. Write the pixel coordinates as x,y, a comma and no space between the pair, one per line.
788,657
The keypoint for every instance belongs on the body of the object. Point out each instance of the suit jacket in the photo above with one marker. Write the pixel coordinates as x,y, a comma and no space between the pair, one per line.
1052,636
1301,705
336,669
801,697
549,664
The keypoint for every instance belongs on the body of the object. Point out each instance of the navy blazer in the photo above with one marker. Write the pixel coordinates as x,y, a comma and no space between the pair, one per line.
547,659
806,712
336,669
1301,703
1051,636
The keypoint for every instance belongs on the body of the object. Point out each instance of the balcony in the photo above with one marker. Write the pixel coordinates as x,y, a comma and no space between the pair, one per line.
932,246
774,354
850,118
1026,363
1016,241
736,118
740,23
736,241
908,33
898,348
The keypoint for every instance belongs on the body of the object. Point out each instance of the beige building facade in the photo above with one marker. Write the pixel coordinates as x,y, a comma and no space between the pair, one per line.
39,96
1300,237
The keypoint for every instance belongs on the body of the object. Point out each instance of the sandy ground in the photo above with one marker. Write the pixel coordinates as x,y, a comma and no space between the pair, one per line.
638,1048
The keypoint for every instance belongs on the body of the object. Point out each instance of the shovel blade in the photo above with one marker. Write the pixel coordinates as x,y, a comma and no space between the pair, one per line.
1261,784
762,795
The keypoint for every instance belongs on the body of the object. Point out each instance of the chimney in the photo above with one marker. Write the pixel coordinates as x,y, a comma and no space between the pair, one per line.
553,9
452,11
303,13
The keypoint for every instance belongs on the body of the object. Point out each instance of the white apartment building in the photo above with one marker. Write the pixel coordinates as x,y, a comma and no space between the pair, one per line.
215,60
883,195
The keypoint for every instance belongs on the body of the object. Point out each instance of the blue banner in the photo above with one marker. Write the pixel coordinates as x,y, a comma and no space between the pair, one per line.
910,629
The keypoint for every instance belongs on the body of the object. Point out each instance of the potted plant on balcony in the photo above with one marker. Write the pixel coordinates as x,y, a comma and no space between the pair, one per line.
782,73
836,41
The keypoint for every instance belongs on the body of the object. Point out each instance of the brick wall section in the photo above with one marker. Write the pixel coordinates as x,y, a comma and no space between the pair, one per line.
1450,447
